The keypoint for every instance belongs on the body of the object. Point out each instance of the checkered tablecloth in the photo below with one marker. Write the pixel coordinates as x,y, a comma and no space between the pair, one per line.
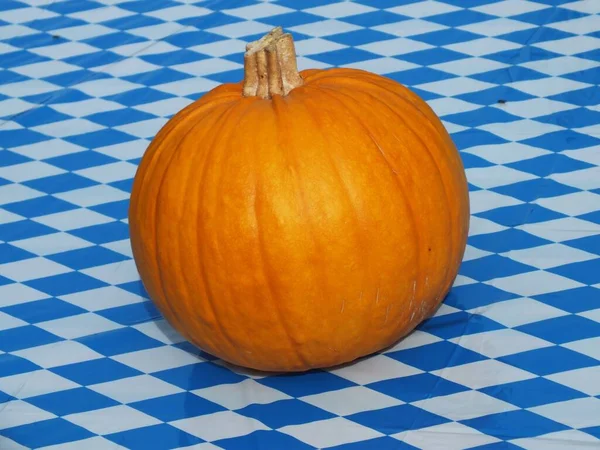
511,360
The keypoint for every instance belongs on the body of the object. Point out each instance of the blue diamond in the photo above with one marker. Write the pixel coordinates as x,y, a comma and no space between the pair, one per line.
299,385
95,371
436,356
198,376
514,425
397,419
45,433
119,341
533,392
264,439
285,412
177,406
156,437
561,330
475,295
457,324
71,401
549,360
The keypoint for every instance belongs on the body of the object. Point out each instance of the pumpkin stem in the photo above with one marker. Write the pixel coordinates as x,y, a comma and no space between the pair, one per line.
270,66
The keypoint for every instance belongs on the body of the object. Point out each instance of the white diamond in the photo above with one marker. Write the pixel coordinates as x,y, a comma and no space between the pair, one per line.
112,420
547,86
114,273
586,179
482,374
70,220
534,283
376,368
38,382
409,27
496,27
102,298
157,359
561,65
70,127
455,86
86,107
220,425
498,343
589,347
31,170
240,395
16,293
486,200
469,66
583,6
12,193
577,440
328,433
355,399
127,67
509,8
447,436
571,45
520,129
393,47
18,412
573,204
464,405
507,153
257,11
31,269
93,195
483,46
64,51
97,15
548,256
564,229
161,331
584,380
424,8
7,322
577,413
77,326
495,176
447,106
58,354
340,9
135,389
520,311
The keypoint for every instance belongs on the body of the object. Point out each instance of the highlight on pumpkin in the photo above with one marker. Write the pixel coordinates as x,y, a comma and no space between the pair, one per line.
291,233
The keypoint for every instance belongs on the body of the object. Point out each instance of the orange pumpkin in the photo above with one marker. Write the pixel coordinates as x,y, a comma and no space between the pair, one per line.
299,220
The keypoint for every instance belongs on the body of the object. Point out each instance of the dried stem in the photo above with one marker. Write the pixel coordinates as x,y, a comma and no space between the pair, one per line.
270,66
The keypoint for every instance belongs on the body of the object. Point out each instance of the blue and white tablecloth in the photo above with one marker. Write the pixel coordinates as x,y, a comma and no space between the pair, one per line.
511,360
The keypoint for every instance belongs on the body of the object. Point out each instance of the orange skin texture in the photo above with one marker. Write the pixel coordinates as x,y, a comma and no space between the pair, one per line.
303,231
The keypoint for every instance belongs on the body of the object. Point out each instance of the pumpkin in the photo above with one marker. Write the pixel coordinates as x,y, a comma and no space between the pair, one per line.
299,220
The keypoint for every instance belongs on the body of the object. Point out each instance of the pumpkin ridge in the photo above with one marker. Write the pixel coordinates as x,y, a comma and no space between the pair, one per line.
267,271
260,247
399,90
157,211
371,82
401,187
140,195
448,276
200,199
438,171
359,235
278,104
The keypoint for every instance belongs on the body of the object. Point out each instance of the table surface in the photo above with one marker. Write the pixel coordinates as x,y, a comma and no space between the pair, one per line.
511,360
